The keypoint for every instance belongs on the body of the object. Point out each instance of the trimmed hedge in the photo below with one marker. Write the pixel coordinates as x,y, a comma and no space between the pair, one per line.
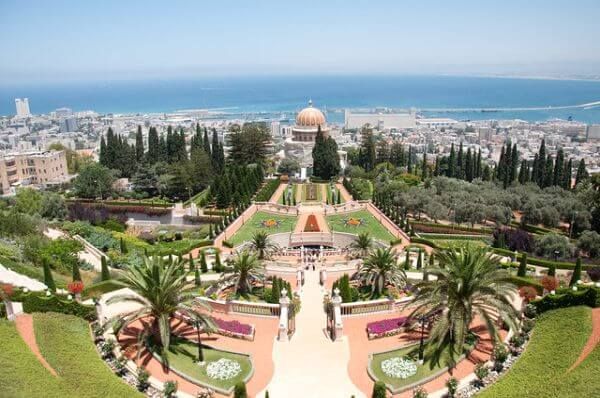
267,190
183,251
39,302
98,289
424,241
482,238
534,229
228,244
524,281
541,262
589,296
123,203
441,228
202,219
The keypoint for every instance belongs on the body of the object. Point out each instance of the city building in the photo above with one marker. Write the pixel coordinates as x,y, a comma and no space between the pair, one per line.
380,120
22,105
593,132
68,125
32,168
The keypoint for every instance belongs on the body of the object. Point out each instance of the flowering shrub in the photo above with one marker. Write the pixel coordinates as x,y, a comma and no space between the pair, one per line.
270,223
399,368
527,293
223,369
385,327
550,283
75,287
7,290
234,327
353,222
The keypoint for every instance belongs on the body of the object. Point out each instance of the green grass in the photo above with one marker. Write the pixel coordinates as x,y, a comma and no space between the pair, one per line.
245,233
557,340
412,351
184,353
21,374
329,195
369,224
67,345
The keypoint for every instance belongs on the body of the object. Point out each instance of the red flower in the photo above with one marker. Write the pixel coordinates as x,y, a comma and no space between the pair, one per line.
528,293
75,287
550,283
8,290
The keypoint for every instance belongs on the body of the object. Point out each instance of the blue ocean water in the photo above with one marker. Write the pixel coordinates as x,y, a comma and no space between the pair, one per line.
290,93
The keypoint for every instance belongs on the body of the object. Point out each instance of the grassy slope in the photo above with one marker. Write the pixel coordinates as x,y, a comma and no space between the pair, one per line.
557,341
21,374
370,225
65,342
254,224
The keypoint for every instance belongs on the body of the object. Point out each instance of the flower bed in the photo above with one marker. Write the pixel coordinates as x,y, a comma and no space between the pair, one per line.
235,329
399,368
386,327
223,369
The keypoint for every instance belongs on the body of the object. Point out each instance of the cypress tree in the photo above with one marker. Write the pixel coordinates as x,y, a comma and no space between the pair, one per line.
218,261
478,165
514,163
203,265
582,173
420,260
197,280
206,143
469,166
48,278
407,261
522,271
192,266
542,165
379,390
558,168
548,172
451,172
409,160
105,273
576,272
460,163
424,167
566,175
552,270
275,291
76,273
139,145
523,172
123,246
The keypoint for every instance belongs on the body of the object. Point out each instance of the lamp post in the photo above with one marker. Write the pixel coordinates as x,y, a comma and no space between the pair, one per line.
556,254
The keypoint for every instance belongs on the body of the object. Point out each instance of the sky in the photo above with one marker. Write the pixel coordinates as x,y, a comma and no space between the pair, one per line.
130,39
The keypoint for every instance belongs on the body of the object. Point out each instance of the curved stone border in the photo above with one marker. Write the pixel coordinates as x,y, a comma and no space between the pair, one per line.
416,383
199,383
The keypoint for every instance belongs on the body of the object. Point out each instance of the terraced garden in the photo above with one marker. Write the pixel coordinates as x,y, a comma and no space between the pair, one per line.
263,221
358,222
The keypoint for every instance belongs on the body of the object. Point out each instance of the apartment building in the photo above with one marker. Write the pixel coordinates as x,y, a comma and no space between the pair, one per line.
32,168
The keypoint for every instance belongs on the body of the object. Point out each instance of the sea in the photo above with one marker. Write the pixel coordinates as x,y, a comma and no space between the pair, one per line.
457,97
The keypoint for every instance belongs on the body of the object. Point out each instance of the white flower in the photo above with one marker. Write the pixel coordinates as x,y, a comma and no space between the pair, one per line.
399,368
223,369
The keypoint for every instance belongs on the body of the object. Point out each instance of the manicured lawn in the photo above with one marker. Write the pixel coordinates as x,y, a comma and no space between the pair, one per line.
458,243
66,343
556,343
294,190
21,374
368,224
422,370
184,354
255,224
318,192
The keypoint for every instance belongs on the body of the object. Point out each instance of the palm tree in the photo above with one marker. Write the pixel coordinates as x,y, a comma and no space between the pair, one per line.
261,245
381,269
242,270
161,290
469,283
363,244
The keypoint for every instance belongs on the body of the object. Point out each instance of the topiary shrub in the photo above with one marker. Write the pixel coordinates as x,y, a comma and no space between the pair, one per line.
481,371
452,386
420,392
143,376
379,390
170,389
240,390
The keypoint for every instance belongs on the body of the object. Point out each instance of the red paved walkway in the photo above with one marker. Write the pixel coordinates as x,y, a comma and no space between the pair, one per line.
260,349
24,325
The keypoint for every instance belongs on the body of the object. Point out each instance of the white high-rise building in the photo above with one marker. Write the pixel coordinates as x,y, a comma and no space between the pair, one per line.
22,105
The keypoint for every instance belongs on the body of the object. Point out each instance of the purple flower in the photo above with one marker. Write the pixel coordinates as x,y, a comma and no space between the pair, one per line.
233,327
386,325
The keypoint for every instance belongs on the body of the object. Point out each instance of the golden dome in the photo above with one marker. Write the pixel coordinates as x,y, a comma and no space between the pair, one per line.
310,117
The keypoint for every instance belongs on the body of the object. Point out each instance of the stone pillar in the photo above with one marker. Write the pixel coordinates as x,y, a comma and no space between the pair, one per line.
336,300
10,312
299,277
284,307
323,276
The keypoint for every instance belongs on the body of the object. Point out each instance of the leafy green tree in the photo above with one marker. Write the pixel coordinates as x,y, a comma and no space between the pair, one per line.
53,206
469,283
242,270
94,180
28,201
250,144
161,291
582,173
288,166
381,269
589,242
203,265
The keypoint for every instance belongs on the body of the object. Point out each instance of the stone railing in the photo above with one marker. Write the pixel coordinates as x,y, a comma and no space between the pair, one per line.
367,307
311,238
242,307
93,250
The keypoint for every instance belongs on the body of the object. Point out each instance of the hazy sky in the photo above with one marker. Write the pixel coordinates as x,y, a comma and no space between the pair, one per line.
60,40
